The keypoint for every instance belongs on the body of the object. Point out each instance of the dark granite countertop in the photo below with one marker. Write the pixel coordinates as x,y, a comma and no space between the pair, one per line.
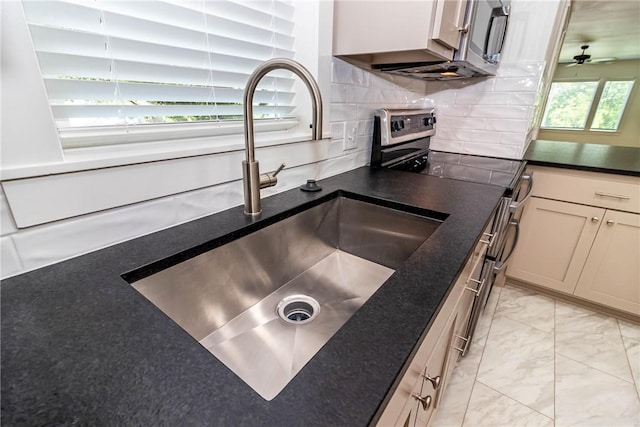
589,157
81,346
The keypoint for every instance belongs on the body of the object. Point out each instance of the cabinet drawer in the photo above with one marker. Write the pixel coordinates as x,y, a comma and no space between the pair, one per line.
609,191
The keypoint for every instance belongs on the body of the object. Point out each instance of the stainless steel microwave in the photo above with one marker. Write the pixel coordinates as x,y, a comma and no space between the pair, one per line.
480,50
483,41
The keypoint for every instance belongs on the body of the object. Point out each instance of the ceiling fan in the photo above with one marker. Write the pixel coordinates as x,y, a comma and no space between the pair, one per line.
584,58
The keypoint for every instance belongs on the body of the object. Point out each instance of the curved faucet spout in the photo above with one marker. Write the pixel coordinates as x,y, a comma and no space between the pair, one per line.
252,181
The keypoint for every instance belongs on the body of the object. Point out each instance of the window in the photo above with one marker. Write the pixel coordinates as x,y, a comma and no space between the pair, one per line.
586,105
612,102
104,172
146,68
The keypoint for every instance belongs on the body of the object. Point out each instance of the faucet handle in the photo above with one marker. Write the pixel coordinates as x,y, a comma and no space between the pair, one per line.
277,171
269,179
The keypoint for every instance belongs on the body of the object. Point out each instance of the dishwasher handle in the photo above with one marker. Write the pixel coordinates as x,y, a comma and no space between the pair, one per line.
500,265
516,205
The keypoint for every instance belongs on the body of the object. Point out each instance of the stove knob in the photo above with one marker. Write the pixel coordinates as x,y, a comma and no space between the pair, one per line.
428,121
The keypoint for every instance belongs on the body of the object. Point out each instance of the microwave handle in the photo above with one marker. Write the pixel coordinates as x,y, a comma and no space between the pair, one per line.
498,12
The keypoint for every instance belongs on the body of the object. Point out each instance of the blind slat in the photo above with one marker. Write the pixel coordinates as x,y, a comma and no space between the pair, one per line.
115,62
57,40
173,29
88,90
63,65
88,111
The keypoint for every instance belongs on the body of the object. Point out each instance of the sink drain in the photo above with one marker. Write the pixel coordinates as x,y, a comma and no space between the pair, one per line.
298,309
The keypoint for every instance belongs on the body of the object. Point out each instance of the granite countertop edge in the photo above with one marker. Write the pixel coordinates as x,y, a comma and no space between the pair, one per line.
584,156
81,346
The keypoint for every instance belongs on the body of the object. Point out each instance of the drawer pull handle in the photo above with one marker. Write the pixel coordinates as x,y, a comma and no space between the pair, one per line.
480,286
610,222
425,401
462,350
595,219
488,240
615,196
435,382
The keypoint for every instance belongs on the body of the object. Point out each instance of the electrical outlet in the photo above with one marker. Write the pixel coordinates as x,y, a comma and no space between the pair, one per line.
350,135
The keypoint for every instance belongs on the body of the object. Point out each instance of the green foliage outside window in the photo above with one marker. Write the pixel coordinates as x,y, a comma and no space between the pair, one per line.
570,105
612,102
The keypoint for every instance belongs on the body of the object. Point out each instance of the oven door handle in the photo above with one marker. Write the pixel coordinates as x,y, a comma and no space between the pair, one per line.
500,265
516,205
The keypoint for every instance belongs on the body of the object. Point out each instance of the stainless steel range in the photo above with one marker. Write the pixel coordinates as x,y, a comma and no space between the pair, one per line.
401,141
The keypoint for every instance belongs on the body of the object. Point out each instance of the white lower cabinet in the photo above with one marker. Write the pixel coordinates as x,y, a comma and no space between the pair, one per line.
582,245
555,238
611,274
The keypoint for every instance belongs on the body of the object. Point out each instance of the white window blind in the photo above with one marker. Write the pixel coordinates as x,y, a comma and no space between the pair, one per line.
123,65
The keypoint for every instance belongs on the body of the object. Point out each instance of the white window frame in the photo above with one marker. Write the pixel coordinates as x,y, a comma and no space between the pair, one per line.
33,158
595,103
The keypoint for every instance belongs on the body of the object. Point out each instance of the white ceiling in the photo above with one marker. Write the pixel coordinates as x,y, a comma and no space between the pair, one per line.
611,28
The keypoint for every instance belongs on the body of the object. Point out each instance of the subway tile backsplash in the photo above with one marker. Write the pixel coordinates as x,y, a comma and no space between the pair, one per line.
491,117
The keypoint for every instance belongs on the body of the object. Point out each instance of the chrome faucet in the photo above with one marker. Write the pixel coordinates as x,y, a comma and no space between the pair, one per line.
251,178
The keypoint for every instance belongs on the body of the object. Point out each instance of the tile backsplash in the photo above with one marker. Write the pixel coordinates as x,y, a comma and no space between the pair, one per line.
489,116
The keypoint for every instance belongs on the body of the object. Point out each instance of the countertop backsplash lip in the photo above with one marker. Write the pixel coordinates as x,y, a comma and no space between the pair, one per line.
109,355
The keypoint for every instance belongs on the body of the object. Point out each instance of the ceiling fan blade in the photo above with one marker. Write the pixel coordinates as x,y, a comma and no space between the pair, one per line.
610,59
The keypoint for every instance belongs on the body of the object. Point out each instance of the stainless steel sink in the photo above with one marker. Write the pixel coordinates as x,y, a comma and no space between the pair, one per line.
266,303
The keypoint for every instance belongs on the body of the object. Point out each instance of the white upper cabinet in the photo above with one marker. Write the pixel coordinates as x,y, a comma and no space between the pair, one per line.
448,22
377,31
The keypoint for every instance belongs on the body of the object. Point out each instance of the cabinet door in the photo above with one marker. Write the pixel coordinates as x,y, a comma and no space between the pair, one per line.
554,243
435,376
611,274
407,417
448,22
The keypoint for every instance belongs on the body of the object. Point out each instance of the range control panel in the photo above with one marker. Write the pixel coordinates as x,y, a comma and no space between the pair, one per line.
404,125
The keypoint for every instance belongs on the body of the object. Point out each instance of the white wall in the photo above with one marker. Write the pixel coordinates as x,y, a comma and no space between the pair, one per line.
354,96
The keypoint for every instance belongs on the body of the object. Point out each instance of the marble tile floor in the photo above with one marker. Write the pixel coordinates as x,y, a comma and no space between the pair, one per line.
537,361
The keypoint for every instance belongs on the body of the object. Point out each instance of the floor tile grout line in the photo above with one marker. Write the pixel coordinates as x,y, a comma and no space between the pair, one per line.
530,326
626,353
494,316
596,369
516,400
466,409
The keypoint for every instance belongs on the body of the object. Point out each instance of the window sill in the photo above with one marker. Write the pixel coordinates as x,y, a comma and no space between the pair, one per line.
90,158
583,131
89,182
